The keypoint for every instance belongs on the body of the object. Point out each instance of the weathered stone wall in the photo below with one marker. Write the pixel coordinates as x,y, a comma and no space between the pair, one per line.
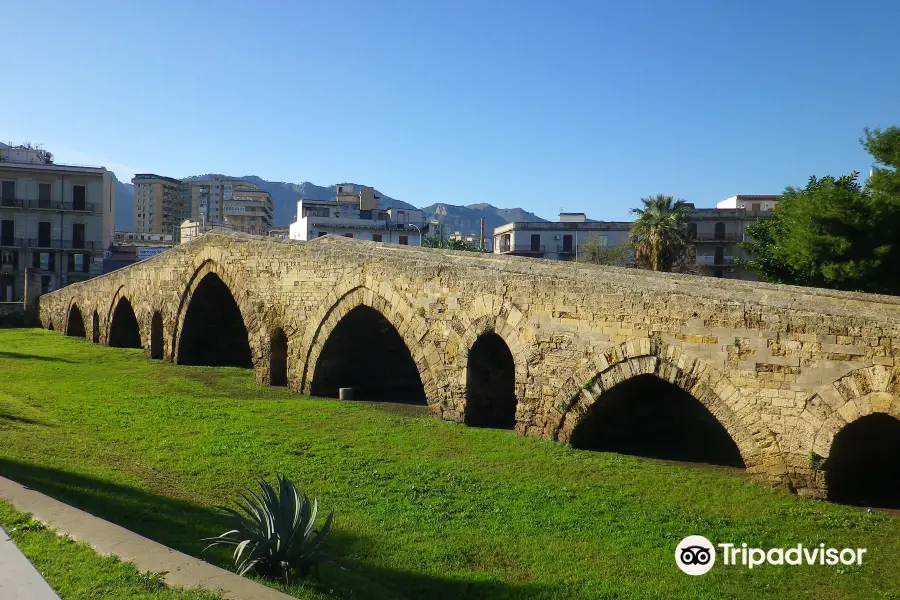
782,368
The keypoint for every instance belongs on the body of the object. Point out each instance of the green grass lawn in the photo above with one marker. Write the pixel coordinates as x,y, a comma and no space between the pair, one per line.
76,572
424,508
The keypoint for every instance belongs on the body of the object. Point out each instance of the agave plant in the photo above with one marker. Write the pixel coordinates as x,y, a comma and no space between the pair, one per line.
274,534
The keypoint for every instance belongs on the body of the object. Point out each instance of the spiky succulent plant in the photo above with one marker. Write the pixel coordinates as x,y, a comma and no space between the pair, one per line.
274,533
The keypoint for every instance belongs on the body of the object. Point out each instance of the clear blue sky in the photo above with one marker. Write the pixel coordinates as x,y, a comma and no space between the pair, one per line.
582,105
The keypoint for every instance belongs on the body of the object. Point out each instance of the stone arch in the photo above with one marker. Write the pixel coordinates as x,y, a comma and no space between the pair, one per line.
95,327
74,322
501,317
411,328
278,357
123,330
490,383
156,336
829,412
210,271
669,363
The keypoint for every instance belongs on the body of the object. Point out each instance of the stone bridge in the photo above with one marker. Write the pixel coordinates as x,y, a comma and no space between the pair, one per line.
798,385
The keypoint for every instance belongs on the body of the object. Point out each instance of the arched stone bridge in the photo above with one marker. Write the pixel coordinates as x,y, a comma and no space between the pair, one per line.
540,346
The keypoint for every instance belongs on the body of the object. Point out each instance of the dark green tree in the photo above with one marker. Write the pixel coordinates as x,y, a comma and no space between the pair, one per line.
834,232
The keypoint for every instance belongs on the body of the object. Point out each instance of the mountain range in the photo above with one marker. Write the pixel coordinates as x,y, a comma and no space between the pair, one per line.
465,219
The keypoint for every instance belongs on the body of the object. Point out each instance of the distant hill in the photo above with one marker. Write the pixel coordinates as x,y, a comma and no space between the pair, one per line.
465,219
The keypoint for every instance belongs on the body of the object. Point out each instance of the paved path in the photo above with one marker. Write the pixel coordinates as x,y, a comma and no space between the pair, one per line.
107,538
19,580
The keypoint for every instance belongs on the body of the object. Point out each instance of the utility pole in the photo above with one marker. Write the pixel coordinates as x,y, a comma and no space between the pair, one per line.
481,239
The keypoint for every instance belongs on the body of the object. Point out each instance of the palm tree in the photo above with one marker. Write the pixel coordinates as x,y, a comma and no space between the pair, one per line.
659,234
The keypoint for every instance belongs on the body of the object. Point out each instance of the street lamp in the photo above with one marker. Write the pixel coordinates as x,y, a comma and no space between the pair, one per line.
419,230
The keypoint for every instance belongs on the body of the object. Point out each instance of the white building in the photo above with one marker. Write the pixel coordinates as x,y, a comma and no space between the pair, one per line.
57,219
557,240
357,215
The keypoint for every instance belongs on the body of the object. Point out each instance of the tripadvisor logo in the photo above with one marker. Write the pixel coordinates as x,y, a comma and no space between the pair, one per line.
696,555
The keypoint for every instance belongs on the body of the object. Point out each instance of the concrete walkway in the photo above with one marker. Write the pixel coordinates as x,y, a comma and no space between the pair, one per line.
106,538
19,580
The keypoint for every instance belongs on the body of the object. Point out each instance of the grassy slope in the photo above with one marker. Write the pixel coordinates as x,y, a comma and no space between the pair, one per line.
424,507
76,572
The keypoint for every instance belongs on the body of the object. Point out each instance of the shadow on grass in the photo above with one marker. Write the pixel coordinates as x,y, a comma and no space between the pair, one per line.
23,420
180,525
19,355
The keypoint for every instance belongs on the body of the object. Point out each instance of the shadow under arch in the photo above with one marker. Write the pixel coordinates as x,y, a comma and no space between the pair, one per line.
650,417
863,466
124,331
213,332
95,327
669,365
490,383
278,357
156,335
409,327
75,322
855,424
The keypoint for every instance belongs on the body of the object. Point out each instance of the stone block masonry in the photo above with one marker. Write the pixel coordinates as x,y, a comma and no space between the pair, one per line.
781,368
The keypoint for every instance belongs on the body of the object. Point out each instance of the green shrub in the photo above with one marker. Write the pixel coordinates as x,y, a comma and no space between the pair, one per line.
275,534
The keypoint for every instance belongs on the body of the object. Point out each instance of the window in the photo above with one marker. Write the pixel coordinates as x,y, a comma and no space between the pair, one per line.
376,237
78,235
718,273
535,242
45,261
8,193
720,231
692,231
349,235
43,195
44,234
755,206
79,263
404,240
45,284
7,233
78,197
567,243
719,258
9,259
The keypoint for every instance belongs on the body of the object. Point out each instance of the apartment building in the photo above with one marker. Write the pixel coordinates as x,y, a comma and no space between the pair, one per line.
218,199
248,208
57,219
718,232
557,240
158,204
357,214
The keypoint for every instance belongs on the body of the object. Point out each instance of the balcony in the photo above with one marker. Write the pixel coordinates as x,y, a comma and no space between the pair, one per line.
522,249
39,244
712,260
722,237
12,242
563,250
47,205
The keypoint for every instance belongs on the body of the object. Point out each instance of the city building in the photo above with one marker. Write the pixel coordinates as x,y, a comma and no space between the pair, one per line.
472,239
56,219
557,240
717,233
218,199
357,215
249,208
128,248
158,204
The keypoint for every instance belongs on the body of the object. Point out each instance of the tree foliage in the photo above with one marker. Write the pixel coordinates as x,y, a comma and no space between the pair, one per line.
436,242
834,232
659,234
594,251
